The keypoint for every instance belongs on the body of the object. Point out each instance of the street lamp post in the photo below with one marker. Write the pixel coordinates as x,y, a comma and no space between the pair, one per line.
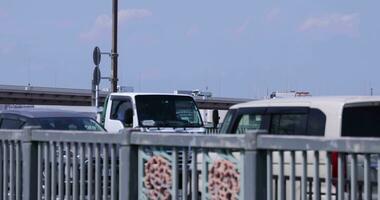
114,54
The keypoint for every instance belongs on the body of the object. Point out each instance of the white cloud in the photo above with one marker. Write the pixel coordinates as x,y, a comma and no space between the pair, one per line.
132,14
103,23
6,49
272,14
192,31
242,28
64,23
344,24
3,13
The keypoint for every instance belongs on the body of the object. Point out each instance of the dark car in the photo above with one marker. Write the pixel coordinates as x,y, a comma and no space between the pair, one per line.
48,119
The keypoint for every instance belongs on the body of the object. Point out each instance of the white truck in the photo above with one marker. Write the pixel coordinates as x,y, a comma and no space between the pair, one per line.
151,112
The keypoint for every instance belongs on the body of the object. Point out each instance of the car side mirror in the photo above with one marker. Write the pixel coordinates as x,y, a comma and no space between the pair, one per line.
215,118
99,109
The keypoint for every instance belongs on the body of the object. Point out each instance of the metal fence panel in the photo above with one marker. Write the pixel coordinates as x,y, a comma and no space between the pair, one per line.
10,169
36,164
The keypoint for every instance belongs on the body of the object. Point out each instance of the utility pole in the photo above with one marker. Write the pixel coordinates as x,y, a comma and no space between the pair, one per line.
114,54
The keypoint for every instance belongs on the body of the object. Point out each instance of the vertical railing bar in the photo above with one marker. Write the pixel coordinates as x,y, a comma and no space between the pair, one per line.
194,175
367,189
281,188
292,175
97,172
353,158
39,171
175,173
53,154
5,170
140,171
113,173
1,167
60,172
243,171
378,176
269,175
90,174
11,170
340,176
82,171
75,171
328,176
105,171
18,171
304,176
67,170
310,188
184,173
204,174
316,185
47,170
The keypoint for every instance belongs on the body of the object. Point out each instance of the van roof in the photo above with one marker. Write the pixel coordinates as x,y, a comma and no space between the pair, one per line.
319,102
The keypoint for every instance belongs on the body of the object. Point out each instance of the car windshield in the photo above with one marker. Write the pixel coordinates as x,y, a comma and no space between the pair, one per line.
167,111
69,123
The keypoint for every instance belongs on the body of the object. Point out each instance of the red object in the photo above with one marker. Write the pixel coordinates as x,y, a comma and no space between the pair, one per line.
334,163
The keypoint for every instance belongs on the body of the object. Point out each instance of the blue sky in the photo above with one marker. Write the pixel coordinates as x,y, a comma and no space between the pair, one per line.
233,48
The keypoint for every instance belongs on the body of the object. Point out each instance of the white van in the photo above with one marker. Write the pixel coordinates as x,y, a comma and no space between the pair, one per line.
331,117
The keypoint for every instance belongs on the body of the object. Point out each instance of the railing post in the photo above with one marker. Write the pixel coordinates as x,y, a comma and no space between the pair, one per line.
29,166
128,168
254,169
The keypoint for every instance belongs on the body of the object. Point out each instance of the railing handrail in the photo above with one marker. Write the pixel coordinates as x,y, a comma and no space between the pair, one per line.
188,140
224,141
315,143
10,134
27,147
78,136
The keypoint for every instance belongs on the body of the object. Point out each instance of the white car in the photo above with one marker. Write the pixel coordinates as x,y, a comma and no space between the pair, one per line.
330,117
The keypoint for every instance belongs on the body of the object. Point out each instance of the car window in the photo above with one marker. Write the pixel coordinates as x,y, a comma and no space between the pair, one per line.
276,120
249,122
121,110
288,124
316,123
69,123
363,121
11,124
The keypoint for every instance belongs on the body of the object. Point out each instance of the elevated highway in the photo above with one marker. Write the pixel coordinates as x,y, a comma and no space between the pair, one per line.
10,94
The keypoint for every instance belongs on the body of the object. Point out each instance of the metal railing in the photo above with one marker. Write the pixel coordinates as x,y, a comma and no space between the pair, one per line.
333,168
211,130
37,164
